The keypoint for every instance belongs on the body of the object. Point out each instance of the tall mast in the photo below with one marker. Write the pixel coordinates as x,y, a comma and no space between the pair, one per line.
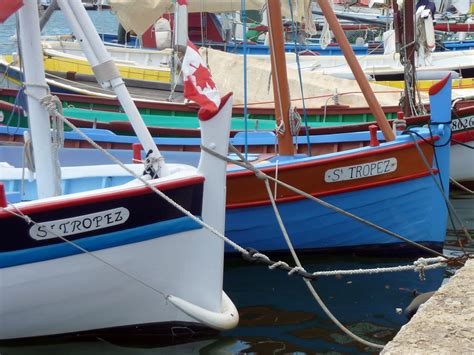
281,91
405,31
108,75
356,69
35,83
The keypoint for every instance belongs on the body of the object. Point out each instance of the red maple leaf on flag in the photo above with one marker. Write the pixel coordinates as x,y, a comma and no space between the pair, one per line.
203,77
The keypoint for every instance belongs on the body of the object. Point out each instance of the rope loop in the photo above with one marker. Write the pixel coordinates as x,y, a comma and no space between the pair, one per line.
295,121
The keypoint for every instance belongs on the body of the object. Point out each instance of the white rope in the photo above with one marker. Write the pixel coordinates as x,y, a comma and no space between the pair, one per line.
461,186
326,34
28,220
150,186
418,265
308,283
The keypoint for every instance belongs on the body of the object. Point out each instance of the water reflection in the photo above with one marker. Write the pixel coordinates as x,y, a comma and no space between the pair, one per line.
278,315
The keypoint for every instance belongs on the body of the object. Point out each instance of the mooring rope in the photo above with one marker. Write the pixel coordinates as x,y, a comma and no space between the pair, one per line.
419,265
18,213
260,174
439,186
461,186
308,283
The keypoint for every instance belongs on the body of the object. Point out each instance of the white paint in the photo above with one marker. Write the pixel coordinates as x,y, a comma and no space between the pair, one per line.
32,57
462,123
96,54
462,162
361,171
80,224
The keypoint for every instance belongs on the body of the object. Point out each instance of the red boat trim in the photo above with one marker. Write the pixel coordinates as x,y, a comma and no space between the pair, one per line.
343,158
333,191
434,89
100,196
463,137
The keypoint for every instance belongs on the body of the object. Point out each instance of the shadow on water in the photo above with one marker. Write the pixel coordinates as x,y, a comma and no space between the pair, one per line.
278,315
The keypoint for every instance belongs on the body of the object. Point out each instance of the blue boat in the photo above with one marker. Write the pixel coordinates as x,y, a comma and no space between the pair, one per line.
403,197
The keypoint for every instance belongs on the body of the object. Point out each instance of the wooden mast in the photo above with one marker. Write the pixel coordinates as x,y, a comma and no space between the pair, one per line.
281,91
356,69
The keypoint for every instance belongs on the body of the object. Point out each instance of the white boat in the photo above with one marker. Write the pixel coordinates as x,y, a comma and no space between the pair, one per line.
136,57
111,258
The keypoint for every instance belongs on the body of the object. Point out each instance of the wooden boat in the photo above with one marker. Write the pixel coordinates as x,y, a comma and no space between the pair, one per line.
98,257
388,68
85,84
329,113
59,62
383,182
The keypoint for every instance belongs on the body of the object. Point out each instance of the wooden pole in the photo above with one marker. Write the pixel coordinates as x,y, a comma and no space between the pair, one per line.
356,70
281,90
408,40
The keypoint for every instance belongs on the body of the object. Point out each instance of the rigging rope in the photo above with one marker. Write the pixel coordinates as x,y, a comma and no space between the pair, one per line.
300,78
420,265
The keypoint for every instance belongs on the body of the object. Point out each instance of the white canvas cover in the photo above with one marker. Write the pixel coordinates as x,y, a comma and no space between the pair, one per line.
138,16
227,72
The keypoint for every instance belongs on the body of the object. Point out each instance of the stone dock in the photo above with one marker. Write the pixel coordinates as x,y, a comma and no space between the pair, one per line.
444,324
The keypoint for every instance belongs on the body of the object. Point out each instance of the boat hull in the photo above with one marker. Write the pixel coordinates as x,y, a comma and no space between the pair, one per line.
52,287
414,209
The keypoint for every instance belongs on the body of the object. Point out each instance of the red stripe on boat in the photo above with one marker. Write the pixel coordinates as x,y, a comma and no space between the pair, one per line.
334,191
439,85
99,196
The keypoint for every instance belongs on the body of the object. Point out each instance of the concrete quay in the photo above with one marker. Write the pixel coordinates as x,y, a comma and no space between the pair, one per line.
444,324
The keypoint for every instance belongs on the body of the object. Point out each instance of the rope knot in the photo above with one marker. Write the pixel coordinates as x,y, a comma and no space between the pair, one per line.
296,269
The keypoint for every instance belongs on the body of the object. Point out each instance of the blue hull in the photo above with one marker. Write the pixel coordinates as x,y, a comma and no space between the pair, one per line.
414,209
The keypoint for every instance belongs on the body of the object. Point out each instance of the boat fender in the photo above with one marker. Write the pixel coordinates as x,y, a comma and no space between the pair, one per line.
3,196
162,29
429,30
227,319
416,303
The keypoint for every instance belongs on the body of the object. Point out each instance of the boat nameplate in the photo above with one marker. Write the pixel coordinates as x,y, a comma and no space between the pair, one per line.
361,171
79,224
462,123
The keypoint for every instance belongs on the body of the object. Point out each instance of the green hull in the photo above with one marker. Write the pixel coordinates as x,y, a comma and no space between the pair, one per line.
104,113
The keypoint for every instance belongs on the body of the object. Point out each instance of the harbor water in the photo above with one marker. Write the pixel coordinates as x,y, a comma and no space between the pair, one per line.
277,313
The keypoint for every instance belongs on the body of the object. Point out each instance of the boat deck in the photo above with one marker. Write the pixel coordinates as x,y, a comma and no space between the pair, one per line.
444,324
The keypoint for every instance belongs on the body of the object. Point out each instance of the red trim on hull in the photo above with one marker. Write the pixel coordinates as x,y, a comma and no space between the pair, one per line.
334,191
41,206
434,89
337,159
463,137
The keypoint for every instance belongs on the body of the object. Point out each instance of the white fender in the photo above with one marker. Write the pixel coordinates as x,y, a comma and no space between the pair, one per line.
429,30
227,319
162,29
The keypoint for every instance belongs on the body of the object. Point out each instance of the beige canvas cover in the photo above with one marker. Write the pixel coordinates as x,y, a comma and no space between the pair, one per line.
227,72
138,16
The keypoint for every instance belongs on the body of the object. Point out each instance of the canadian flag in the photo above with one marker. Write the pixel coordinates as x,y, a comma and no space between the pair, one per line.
198,84
8,8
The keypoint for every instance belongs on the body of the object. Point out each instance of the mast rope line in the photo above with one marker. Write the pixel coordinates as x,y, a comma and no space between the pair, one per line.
300,77
142,179
15,211
461,186
261,175
440,187
296,270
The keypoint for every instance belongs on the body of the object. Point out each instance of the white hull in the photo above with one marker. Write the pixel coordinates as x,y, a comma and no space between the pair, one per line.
462,162
133,57
382,64
79,292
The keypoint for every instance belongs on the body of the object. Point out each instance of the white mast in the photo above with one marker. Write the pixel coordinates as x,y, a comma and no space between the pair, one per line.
107,74
180,26
35,83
